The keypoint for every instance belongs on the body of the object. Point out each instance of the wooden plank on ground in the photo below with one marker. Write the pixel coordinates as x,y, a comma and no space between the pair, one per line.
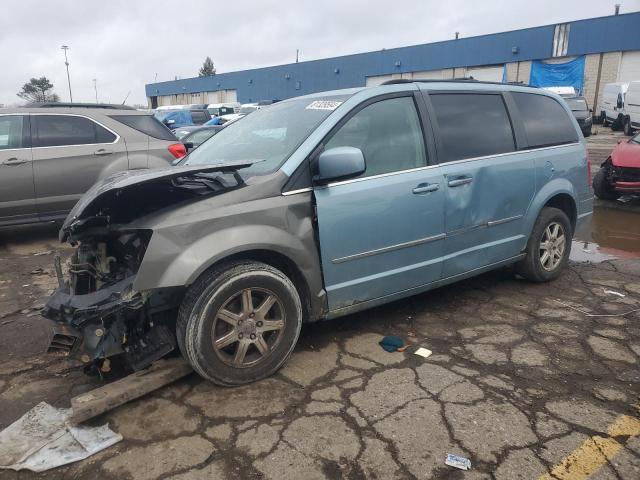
112,395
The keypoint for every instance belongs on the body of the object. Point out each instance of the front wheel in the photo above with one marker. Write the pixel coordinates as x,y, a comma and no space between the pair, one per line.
239,323
548,247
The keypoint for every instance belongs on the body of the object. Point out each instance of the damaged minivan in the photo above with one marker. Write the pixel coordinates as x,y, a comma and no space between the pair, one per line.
314,208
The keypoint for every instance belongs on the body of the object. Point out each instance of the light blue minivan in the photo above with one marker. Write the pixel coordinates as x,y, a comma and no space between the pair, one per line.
317,207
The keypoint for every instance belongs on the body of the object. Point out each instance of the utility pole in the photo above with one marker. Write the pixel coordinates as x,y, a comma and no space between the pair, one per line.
66,62
297,54
95,87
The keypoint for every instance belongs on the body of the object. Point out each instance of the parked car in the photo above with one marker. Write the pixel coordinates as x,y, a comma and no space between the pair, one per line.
218,109
50,156
613,96
318,207
581,112
631,115
174,119
620,173
198,136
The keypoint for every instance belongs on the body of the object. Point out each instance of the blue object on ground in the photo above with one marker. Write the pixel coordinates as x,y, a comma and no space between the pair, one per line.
391,343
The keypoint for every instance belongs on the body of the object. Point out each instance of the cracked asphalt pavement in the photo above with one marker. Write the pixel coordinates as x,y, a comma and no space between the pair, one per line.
525,380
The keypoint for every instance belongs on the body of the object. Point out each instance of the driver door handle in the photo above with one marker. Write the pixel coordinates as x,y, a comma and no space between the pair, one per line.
460,181
14,161
102,152
426,188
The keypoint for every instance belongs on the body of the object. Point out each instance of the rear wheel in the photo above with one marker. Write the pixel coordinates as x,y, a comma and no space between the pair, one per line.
239,323
601,186
548,247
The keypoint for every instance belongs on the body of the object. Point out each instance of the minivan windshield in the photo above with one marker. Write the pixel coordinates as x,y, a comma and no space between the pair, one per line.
270,134
577,104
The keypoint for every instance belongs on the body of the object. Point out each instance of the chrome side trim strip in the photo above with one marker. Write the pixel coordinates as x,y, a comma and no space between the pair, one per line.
464,160
390,248
300,190
503,220
382,175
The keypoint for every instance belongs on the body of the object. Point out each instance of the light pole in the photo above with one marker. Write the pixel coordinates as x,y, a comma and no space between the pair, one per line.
66,62
95,87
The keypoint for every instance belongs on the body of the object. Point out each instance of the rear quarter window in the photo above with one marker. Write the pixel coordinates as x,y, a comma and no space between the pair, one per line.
546,122
146,124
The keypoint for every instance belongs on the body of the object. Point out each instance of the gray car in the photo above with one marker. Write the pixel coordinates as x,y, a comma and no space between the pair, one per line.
50,156
314,208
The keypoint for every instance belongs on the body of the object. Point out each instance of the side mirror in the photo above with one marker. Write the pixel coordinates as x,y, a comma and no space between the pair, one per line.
339,163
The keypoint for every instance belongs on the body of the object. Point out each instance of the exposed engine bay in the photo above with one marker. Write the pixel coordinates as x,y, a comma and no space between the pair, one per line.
97,313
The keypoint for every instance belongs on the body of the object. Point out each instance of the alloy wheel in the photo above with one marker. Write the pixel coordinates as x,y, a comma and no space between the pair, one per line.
246,329
552,246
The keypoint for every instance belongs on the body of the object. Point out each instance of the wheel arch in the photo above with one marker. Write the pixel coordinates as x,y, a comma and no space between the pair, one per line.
283,263
558,193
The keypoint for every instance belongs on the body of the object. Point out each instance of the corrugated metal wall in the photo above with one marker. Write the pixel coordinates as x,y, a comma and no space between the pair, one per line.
613,33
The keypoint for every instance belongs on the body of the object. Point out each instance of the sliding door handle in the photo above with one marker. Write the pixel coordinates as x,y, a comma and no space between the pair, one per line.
14,161
460,181
426,188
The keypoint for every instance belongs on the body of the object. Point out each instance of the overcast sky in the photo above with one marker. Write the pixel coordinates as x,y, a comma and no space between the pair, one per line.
126,43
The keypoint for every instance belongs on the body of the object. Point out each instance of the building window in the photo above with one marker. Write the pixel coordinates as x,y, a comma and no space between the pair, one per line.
561,40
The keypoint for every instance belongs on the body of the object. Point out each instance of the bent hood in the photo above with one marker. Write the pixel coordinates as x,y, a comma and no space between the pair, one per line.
138,185
627,155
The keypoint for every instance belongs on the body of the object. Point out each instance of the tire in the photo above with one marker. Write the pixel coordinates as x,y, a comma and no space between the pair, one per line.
601,186
587,133
217,307
616,125
605,122
628,131
532,267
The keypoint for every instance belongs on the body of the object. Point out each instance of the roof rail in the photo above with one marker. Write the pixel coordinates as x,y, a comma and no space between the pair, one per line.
457,80
109,106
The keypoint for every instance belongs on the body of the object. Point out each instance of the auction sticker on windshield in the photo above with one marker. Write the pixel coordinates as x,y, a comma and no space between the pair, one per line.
323,105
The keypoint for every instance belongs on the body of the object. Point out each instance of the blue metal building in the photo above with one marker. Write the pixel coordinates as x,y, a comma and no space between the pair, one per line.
611,46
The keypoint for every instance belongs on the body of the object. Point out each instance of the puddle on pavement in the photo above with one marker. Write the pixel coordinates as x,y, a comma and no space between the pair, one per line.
612,234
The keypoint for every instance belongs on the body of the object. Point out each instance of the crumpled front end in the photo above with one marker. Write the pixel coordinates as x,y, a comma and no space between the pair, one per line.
98,316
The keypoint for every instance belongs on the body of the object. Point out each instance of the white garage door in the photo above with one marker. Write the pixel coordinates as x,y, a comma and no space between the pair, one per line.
486,74
629,67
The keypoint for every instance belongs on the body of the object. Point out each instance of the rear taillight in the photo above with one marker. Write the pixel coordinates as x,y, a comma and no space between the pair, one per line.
178,150
589,169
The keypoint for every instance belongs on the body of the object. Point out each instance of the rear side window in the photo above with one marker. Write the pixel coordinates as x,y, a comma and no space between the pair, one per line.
60,130
471,125
11,131
546,123
146,124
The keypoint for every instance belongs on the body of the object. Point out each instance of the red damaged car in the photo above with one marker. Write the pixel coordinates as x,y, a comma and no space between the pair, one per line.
621,172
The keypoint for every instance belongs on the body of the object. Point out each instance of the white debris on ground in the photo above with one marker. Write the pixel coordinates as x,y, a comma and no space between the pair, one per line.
42,439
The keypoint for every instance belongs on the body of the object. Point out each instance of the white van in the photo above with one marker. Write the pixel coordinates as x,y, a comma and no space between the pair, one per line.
612,108
631,118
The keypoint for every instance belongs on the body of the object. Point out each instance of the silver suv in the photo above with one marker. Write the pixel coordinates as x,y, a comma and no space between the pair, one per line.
50,156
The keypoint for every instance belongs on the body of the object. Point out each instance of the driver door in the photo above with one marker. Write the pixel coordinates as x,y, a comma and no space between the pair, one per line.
382,233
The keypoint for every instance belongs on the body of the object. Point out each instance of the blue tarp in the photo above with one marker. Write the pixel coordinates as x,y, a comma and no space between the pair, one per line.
568,74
